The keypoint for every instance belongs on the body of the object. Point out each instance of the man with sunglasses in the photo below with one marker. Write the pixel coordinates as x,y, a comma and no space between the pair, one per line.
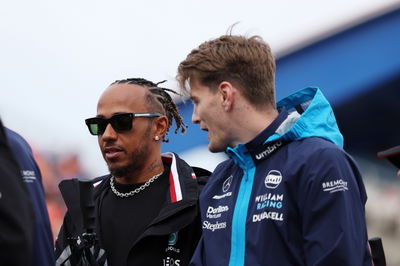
146,208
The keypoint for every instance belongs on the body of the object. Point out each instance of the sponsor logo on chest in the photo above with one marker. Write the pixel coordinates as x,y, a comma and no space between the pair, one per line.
225,187
172,240
268,215
214,226
273,179
269,200
171,262
270,204
213,213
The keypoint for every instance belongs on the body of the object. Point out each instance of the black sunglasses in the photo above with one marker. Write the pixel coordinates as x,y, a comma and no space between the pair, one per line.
119,122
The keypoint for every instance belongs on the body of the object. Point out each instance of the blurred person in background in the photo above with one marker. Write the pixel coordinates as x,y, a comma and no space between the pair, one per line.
43,243
48,164
16,211
289,194
147,206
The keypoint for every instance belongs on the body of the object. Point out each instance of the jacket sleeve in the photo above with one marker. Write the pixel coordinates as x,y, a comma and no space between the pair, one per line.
331,203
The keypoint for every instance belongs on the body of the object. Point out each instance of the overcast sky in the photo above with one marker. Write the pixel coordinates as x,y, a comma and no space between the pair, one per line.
56,57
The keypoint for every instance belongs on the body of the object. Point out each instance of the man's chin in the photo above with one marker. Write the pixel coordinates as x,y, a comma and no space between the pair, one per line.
118,171
214,149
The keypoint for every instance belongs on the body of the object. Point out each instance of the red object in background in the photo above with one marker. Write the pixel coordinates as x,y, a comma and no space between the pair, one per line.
392,154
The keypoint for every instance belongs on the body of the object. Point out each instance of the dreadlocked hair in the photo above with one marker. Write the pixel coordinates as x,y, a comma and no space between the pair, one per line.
157,96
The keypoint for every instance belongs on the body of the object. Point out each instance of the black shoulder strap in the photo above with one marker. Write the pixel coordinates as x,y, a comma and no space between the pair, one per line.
70,192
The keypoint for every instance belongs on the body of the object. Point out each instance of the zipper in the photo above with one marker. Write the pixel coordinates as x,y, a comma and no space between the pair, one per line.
238,233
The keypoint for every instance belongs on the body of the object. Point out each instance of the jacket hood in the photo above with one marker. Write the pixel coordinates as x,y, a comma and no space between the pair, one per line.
304,114
309,115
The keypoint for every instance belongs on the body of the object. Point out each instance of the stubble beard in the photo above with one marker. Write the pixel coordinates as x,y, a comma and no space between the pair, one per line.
136,158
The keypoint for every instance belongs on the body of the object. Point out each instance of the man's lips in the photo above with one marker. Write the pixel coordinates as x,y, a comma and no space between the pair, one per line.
112,152
206,130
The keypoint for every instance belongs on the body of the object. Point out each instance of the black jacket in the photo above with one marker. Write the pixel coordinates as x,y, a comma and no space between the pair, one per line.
170,239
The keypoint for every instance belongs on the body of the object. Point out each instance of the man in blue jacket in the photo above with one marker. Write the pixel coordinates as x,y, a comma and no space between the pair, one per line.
43,244
289,194
16,213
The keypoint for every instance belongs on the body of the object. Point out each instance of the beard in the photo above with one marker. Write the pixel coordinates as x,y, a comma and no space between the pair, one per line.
136,162
137,158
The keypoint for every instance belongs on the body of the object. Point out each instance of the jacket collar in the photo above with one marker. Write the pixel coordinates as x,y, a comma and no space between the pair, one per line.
244,154
261,138
182,180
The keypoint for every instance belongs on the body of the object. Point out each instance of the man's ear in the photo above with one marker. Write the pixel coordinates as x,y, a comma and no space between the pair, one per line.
227,92
160,127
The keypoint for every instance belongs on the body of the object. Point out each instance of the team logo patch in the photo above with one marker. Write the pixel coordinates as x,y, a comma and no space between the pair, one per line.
172,238
227,184
273,179
225,187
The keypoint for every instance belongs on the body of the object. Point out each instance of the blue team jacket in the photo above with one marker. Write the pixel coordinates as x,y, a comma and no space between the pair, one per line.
43,245
291,196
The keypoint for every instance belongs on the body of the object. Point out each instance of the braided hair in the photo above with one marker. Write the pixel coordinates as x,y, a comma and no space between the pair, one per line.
157,96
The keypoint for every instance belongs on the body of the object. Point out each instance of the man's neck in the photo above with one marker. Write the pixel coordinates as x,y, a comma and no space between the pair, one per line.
251,124
154,167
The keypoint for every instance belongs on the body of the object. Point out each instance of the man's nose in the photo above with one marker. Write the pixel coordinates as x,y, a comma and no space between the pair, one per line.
109,133
195,117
